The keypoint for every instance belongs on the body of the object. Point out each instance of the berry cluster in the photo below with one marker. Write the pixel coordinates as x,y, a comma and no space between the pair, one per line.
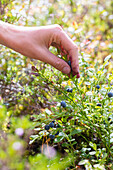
52,125
63,104
110,94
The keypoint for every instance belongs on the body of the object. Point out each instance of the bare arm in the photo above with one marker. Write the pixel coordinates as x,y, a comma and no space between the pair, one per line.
34,42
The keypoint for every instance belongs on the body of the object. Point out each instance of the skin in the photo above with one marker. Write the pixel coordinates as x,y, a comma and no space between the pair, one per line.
34,42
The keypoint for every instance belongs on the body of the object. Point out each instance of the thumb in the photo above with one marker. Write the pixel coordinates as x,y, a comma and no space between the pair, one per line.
58,63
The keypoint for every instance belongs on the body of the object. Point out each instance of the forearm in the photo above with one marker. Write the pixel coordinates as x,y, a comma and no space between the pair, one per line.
8,34
2,33
17,38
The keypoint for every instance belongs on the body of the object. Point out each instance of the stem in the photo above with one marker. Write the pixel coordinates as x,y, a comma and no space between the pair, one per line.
57,88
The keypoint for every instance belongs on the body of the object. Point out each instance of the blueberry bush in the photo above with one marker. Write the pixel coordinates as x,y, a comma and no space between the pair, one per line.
48,120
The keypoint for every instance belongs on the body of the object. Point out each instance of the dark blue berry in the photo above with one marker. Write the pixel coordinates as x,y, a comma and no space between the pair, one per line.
63,103
69,90
97,86
99,104
75,123
110,94
109,118
53,121
51,125
57,133
51,136
69,63
46,127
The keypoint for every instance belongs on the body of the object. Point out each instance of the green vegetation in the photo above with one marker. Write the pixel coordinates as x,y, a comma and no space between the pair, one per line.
36,130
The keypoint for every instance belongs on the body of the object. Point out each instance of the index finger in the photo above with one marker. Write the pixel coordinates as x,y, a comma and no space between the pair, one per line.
68,45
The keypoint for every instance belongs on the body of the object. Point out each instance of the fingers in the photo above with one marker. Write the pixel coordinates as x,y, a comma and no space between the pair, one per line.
66,44
72,50
73,57
56,62
62,51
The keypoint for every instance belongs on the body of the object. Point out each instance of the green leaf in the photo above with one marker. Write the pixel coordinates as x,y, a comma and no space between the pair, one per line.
76,131
58,139
92,153
93,145
33,138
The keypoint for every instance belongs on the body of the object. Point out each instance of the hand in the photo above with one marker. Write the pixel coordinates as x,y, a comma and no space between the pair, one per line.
34,42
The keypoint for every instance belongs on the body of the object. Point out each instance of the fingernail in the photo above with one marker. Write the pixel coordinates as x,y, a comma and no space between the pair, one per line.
78,75
75,73
66,70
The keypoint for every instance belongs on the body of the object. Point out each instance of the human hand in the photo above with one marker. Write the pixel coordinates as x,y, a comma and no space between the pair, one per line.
34,42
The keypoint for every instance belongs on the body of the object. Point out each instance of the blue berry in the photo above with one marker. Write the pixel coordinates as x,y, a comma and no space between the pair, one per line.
51,125
69,63
110,94
75,123
97,86
99,104
46,127
53,121
51,136
63,103
69,90
57,133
